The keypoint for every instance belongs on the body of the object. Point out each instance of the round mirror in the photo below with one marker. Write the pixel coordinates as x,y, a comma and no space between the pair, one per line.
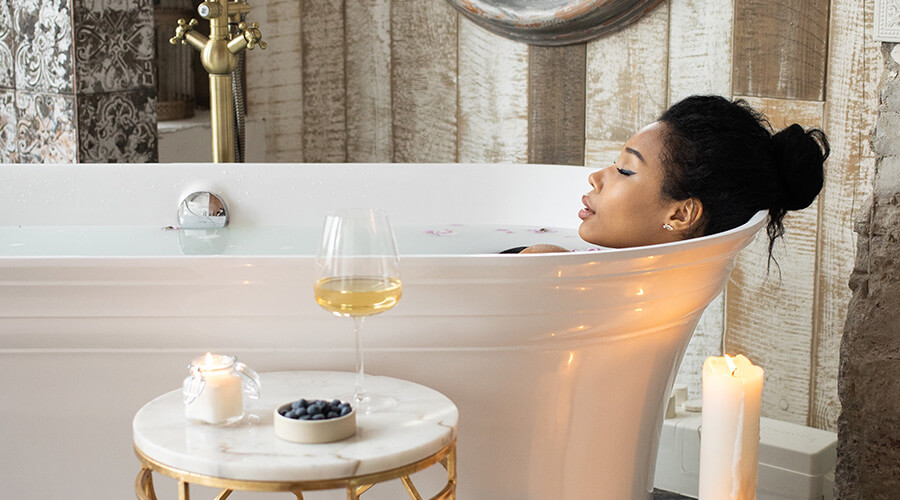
553,22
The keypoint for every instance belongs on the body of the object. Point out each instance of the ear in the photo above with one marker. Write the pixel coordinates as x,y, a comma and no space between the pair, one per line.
684,216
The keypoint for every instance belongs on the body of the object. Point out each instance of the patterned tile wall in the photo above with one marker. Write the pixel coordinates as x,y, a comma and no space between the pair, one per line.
7,83
7,46
42,71
8,126
115,71
114,45
45,131
117,127
104,62
43,52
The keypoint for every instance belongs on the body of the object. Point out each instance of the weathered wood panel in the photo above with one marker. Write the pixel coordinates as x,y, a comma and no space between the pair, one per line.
854,64
769,313
700,33
700,62
368,66
324,106
626,85
493,84
780,48
424,80
275,79
556,87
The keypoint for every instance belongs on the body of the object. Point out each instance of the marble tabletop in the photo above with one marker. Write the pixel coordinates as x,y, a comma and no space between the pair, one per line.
422,423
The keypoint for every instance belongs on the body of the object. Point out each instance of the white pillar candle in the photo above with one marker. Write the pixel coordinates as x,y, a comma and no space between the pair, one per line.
221,399
729,436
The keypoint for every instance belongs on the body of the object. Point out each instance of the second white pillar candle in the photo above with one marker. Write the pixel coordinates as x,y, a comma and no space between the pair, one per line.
729,436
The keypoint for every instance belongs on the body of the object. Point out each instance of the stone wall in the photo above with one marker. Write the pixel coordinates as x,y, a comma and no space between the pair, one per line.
869,383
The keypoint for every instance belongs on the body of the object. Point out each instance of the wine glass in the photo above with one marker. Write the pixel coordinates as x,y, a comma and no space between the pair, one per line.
359,275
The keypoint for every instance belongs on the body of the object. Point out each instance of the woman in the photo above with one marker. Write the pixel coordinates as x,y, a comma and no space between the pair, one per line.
707,165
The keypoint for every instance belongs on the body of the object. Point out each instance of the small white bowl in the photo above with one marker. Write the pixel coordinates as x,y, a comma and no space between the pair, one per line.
314,431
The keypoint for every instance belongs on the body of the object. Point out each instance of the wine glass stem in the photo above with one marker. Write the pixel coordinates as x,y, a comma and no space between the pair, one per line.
360,392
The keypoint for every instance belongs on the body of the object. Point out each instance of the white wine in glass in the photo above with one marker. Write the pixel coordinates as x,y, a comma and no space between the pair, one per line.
359,275
357,296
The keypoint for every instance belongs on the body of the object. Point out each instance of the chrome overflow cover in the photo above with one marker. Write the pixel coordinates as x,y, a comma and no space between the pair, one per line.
202,210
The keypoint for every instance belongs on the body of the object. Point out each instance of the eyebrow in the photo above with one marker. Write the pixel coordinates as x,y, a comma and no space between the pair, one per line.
636,153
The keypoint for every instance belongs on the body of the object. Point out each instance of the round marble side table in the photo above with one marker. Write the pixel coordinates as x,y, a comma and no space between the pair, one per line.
418,433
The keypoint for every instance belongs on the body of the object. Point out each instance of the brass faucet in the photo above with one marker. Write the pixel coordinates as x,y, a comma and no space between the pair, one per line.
218,55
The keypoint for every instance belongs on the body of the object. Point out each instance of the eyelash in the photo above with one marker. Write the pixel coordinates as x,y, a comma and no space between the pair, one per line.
625,172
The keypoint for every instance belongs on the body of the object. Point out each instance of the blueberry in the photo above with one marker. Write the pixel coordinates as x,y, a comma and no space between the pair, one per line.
333,414
305,417
300,411
318,416
336,402
345,410
283,411
291,414
301,403
313,410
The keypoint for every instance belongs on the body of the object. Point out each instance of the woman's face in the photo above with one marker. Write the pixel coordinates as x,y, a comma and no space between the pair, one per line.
626,207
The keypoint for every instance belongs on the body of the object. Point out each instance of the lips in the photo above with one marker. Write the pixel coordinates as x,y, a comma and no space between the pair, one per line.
586,211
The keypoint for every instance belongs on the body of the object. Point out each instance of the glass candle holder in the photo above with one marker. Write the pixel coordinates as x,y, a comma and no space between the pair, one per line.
214,390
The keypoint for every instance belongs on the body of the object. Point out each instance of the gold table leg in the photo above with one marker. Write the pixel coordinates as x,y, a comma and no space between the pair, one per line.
410,488
143,485
227,493
184,490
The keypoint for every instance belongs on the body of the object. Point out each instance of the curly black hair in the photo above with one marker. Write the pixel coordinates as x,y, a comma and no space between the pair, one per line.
724,154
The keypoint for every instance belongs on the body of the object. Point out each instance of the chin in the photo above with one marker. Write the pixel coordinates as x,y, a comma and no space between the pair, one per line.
594,241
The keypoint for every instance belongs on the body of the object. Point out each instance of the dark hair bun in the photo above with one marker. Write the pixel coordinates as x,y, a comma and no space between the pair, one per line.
799,159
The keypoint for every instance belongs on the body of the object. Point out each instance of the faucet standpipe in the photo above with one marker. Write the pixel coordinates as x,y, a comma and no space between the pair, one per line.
217,53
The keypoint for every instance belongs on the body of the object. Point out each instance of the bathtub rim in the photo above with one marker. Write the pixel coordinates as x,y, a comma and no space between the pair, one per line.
745,231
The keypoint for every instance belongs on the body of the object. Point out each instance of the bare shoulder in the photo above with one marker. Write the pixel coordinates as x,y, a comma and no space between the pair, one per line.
544,249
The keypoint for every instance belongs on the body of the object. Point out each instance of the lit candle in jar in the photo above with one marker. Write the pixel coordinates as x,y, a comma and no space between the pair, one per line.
729,436
220,397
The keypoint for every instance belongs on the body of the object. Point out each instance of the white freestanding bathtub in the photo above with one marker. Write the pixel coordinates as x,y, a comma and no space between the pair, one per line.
559,363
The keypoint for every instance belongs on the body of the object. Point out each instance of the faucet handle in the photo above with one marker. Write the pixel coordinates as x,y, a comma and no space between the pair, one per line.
252,35
184,27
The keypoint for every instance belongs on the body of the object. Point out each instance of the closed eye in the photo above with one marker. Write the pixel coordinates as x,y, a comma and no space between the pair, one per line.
625,171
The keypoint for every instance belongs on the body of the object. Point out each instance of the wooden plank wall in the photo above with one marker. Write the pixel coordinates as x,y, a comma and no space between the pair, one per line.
368,64
411,81
854,66
493,117
274,88
556,111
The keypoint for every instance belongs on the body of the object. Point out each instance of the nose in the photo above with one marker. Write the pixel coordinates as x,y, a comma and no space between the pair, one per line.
596,179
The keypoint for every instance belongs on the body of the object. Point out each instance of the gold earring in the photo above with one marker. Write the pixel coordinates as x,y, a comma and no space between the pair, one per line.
668,227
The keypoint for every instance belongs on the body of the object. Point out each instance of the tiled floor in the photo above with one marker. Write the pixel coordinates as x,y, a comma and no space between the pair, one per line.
666,495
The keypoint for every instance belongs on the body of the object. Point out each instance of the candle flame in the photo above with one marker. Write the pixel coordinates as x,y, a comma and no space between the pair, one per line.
208,361
730,364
